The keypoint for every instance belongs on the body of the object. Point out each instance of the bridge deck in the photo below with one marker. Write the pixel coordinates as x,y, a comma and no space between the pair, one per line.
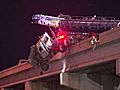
76,57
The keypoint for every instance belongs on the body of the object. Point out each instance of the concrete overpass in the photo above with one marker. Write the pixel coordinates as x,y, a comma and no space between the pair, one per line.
79,68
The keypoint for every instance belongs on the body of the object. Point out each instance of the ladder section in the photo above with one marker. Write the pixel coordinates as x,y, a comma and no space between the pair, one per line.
88,24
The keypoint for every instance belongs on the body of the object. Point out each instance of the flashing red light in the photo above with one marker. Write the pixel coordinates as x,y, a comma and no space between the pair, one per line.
61,35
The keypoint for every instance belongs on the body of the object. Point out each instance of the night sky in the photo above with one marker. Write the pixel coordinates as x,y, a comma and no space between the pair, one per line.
17,33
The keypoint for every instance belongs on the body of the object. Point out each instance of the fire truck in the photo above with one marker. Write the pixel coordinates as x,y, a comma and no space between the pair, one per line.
68,30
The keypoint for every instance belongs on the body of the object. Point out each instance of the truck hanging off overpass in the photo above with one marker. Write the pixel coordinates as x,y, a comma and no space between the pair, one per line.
66,31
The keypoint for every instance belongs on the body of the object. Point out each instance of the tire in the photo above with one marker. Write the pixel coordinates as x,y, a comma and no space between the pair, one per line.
62,48
45,67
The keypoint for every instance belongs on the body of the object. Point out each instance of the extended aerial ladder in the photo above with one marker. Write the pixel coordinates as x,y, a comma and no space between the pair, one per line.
77,23
68,30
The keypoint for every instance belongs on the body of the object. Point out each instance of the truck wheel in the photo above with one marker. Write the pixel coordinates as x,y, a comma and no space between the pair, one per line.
62,48
45,67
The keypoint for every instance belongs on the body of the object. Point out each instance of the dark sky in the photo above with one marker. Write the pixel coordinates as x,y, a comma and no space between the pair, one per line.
17,33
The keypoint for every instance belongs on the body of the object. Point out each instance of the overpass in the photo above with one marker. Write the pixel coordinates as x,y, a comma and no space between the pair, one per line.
78,68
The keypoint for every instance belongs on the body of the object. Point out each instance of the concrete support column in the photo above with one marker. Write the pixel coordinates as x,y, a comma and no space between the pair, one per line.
118,67
36,85
89,82
6,89
39,85
28,85
118,88
70,80
108,82
2,89
80,81
118,72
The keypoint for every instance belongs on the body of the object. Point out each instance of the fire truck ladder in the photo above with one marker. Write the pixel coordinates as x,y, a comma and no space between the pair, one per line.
88,24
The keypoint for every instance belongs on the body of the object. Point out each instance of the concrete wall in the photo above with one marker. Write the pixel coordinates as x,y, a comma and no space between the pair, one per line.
50,85
93,81
96,77
99,77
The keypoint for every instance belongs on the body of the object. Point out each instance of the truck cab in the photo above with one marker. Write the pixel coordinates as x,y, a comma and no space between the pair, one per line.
45,45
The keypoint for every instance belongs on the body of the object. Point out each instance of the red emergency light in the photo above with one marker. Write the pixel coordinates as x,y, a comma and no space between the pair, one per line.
61,36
